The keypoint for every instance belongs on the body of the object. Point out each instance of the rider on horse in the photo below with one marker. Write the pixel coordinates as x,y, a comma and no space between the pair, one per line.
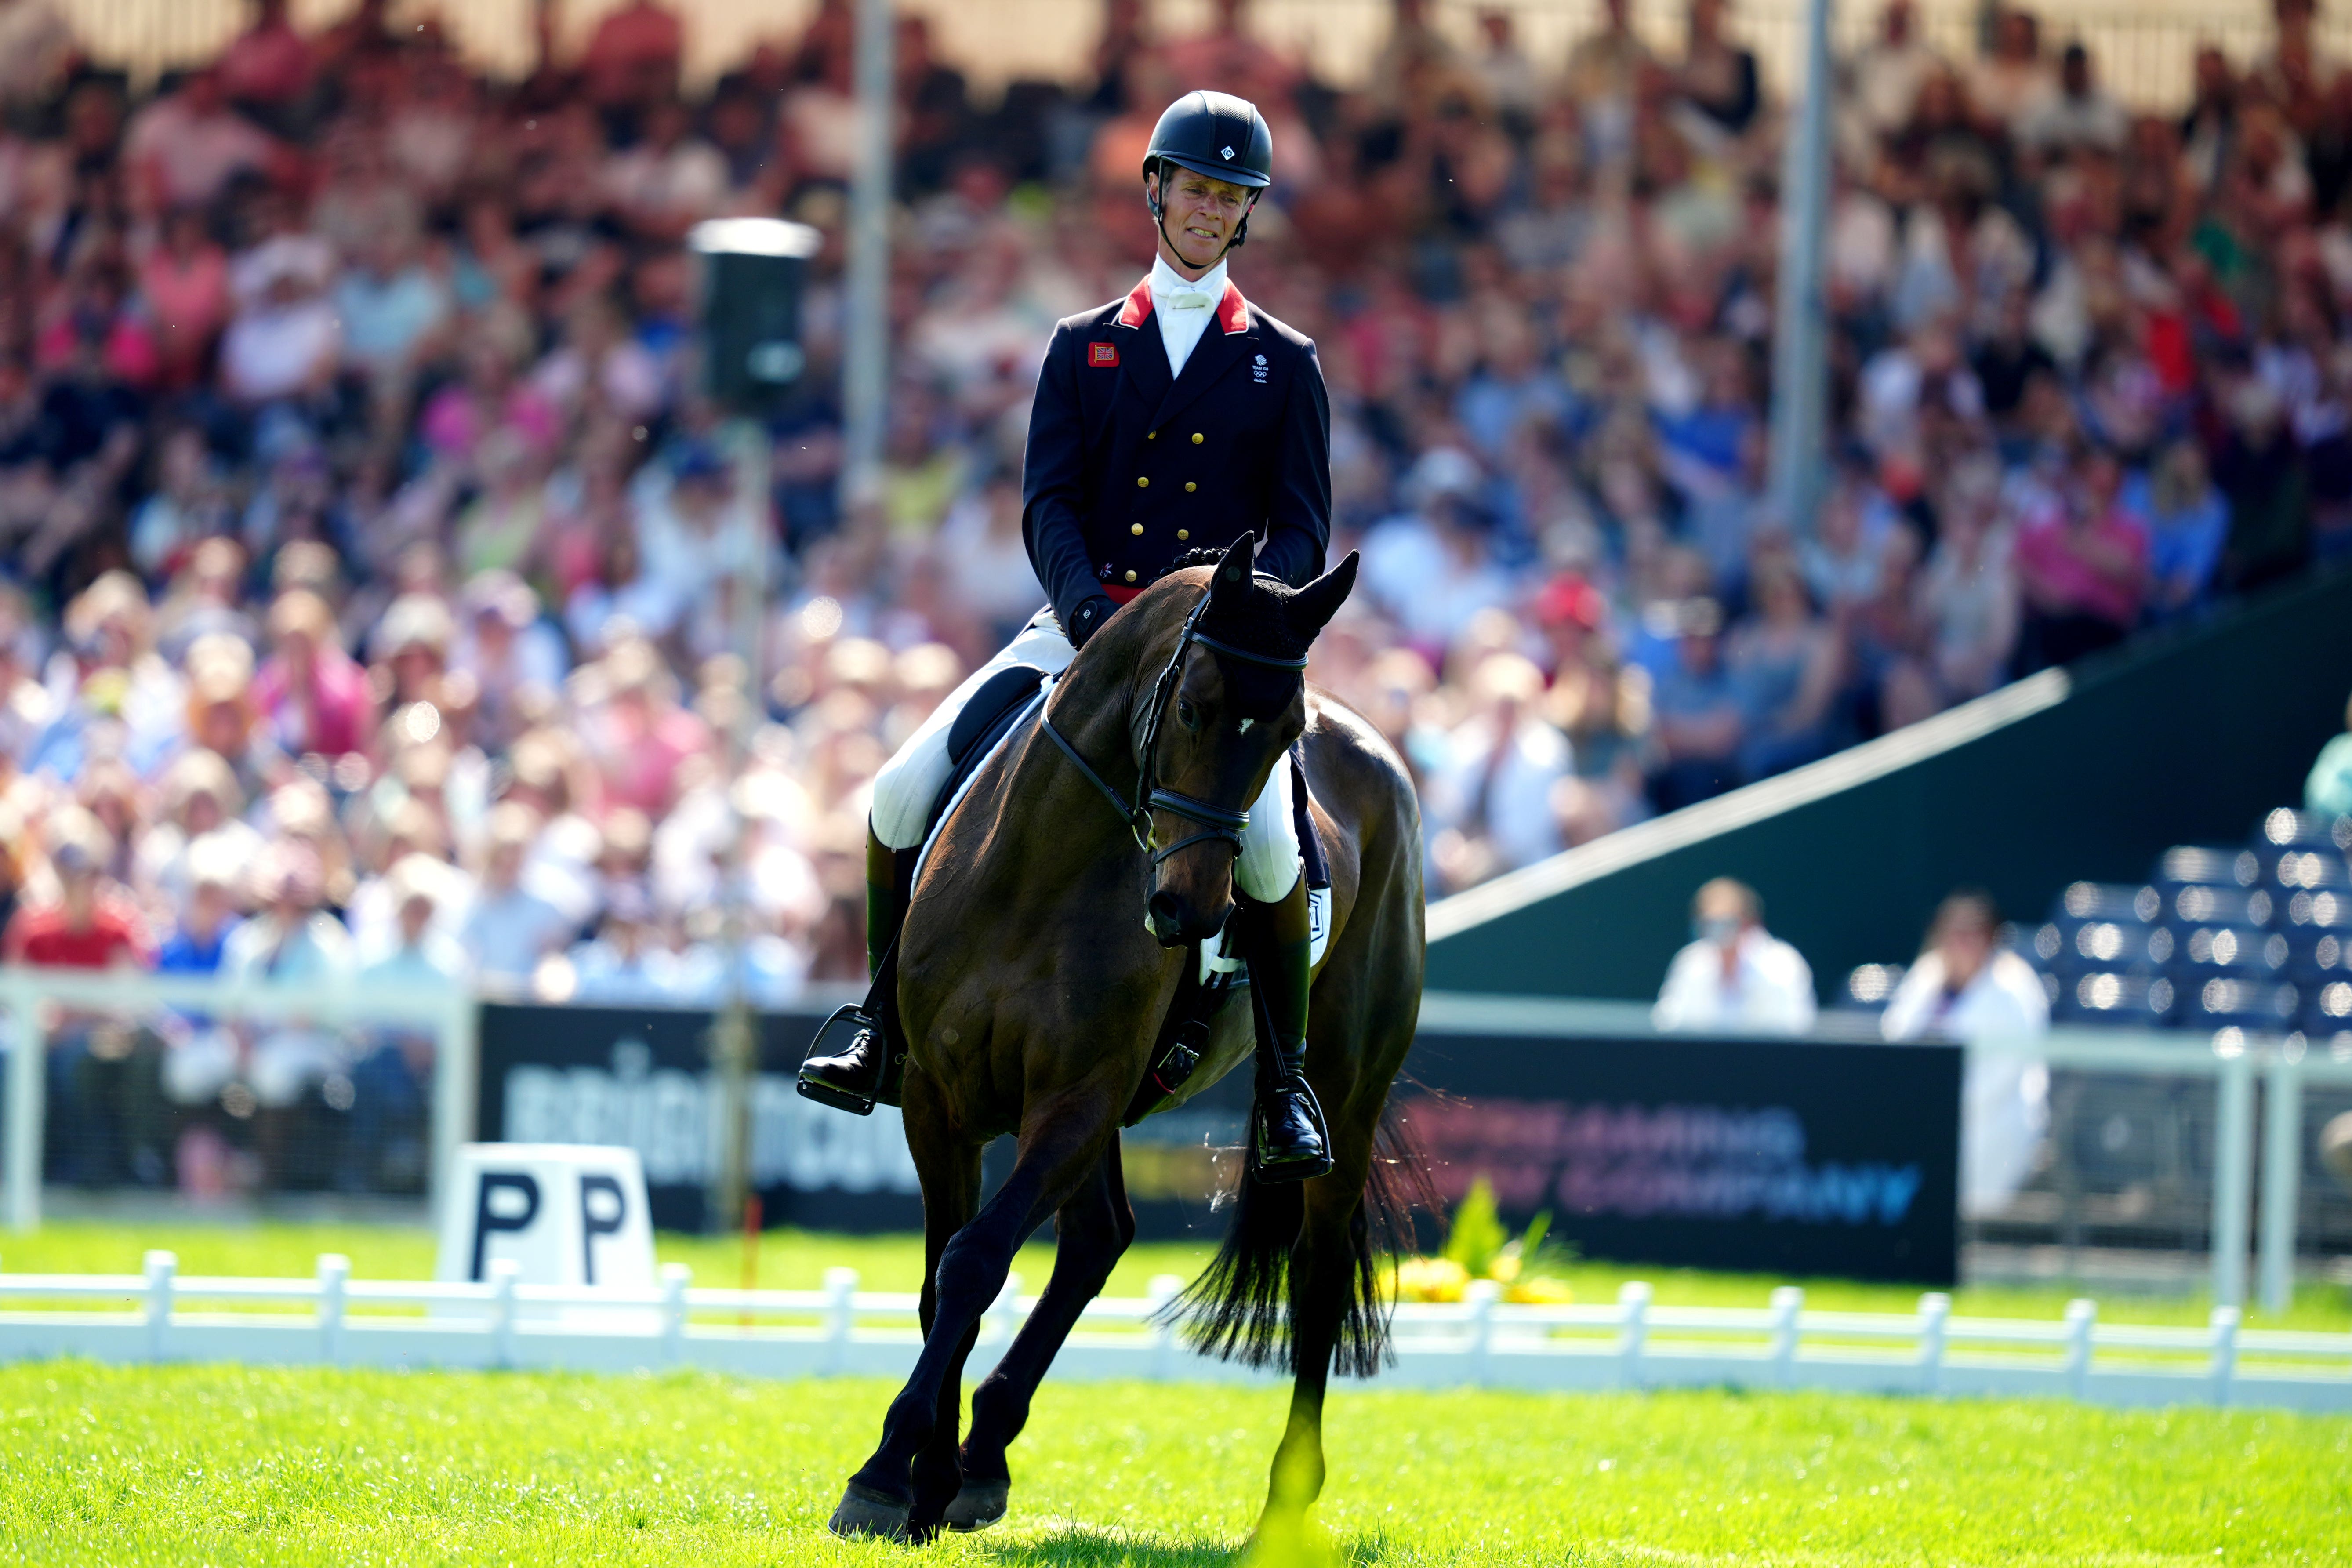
1171,421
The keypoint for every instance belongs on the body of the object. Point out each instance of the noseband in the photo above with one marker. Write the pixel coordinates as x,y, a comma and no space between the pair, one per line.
1215,821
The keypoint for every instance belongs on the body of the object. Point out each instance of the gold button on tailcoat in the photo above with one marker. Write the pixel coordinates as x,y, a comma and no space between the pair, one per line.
1136,529
1131,576
1143,481
1197,437
1190,486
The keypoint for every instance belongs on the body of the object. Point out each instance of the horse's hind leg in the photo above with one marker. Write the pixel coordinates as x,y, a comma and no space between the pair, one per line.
1091,1231
1054,1159
1325,1269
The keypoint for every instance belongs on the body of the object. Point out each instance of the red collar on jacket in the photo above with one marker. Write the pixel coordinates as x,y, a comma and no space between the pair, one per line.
1233,310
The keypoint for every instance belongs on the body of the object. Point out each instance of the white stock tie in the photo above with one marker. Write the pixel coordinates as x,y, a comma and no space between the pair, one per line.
1189,300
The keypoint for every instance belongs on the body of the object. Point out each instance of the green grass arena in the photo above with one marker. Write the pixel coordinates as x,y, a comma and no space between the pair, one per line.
207,1464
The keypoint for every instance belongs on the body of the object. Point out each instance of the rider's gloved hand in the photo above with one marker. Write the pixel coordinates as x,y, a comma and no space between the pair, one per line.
1086,619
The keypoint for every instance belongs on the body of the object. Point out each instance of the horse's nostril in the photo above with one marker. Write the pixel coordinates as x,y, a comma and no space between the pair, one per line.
1165,916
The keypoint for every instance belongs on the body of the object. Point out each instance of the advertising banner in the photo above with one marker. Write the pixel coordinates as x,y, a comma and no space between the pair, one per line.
1787,1156
1793,1157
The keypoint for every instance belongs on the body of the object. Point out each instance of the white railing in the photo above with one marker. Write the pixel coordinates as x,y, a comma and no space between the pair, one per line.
1481,1341
29,997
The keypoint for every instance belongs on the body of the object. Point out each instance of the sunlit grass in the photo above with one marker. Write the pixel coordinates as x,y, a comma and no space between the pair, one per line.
184,1465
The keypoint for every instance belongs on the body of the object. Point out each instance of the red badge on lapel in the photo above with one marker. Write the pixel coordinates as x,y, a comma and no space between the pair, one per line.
1103,354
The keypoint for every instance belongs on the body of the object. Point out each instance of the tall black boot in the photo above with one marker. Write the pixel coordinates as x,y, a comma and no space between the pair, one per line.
1293,1143
853,1064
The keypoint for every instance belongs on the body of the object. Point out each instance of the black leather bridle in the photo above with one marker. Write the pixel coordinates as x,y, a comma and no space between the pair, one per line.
1217,822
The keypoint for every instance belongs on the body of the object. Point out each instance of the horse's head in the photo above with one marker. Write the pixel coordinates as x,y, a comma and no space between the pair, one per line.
1235,701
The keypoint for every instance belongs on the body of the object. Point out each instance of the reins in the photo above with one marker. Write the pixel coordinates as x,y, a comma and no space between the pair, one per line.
1217,822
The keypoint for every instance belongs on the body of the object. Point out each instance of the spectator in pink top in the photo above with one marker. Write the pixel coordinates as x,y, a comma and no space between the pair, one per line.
184,283
2083,567
312,694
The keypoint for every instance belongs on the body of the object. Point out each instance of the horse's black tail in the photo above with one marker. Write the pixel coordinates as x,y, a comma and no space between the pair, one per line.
1238,1308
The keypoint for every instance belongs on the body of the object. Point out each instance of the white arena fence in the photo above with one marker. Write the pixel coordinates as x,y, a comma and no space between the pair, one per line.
2257,1084
333,1320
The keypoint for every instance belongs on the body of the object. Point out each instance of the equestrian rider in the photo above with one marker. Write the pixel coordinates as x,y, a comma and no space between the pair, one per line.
1173,420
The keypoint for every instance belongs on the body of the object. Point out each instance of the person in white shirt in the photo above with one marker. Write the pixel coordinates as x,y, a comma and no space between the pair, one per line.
1967,988
1735,977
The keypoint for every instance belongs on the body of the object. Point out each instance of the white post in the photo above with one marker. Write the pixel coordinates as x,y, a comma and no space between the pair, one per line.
456,1062
2082,1318
1004,1313
1935,1318
334,1273
1634,1303
2223,1368
161,1267
2282,1175
866,347
1480,1299
1801,306
1787,1300
840,1317
1163,1291
26,1082
2233,1173
675,1278
505,1273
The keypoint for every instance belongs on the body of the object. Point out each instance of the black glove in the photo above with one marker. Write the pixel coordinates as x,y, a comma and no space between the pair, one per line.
1086,619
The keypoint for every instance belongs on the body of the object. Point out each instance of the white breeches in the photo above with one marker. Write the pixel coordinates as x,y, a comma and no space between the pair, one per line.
910,782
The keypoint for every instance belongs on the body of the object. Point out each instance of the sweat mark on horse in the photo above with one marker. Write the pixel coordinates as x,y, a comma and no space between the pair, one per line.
1032,994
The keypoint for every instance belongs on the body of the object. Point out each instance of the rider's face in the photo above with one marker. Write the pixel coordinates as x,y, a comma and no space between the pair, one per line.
1200,217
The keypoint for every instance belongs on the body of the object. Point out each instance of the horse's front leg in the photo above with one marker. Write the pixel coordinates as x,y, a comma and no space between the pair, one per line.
1055,1156
1092,1230
935,1475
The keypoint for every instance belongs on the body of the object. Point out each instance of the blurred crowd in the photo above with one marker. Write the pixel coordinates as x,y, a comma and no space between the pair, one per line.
368,556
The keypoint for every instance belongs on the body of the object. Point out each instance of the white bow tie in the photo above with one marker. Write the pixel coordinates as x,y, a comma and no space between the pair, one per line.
1189,300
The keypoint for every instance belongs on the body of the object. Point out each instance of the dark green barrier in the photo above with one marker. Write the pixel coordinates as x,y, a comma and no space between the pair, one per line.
2190,738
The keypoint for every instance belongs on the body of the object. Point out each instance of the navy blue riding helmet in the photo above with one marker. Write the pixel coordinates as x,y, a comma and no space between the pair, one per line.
1217,134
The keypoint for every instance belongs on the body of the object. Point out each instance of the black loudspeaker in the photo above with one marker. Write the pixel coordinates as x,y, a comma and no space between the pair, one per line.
750,271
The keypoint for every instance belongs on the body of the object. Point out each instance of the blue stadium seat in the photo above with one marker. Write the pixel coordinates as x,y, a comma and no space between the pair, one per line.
2239,1002
2190,865
2101,996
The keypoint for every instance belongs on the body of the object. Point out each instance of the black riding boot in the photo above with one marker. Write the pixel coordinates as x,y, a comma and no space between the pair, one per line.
1293,1144
864,1066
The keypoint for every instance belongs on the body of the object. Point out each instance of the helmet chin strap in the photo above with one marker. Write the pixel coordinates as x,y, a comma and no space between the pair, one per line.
1159,219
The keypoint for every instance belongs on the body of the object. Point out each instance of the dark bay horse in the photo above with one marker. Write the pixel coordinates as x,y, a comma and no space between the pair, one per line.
1031,992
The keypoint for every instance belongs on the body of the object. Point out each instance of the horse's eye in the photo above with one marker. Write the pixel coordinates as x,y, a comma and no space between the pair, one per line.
1186,714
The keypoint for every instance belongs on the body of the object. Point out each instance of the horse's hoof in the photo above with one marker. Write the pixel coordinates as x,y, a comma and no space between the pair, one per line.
867,1512
977,1504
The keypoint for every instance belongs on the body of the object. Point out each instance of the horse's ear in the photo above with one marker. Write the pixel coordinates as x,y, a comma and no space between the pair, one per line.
1236,571
1311,608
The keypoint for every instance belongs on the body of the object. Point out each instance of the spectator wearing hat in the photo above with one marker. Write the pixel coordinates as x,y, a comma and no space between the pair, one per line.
313,696
410,645
208,913
291,938
1735,977
103,1070
514,658
1967,987
201,802
285,344
90,921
